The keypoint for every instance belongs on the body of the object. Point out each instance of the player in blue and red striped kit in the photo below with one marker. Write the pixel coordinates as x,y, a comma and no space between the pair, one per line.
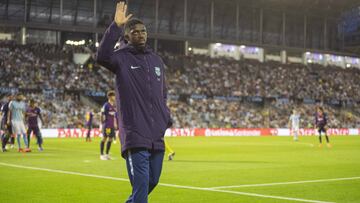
89,122
320,124
32,114
109,124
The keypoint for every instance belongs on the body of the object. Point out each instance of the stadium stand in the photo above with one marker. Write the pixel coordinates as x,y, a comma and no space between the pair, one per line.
203,91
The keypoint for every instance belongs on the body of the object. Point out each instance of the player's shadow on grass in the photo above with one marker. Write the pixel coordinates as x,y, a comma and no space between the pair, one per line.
223,162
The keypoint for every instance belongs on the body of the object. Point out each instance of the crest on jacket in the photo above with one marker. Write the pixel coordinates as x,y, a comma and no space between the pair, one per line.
157,71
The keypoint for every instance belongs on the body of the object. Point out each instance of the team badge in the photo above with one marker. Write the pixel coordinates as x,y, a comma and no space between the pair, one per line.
108,131
157,71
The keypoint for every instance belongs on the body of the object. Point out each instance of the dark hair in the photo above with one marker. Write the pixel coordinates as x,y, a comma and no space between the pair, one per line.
131,23
110,93
19,95
321,109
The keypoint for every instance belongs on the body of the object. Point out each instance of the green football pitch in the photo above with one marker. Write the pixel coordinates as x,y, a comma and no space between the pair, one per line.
205,169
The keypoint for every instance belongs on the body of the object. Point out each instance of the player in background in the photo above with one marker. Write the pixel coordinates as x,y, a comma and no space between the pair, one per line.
117,132
294,124
33,113
7,131
171,153
108,122
320,124
17,108
89,117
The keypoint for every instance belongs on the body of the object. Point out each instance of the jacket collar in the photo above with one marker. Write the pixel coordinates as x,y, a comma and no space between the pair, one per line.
134,50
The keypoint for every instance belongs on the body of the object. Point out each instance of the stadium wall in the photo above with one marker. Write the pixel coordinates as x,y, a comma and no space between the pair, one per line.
208,132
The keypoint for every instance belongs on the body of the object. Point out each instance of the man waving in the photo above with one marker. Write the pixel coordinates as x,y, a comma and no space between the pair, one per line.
143,115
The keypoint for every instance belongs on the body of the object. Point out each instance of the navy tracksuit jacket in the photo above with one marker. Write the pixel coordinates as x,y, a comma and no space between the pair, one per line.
140,91
142,112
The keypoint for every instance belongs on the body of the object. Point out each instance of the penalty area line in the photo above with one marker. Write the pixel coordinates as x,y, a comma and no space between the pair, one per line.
163,184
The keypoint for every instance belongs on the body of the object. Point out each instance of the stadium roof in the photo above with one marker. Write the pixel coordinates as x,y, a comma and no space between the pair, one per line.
325,7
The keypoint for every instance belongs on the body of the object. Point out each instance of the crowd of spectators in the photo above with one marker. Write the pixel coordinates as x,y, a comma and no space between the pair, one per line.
49,80
23,67
221,76
213,113
202,75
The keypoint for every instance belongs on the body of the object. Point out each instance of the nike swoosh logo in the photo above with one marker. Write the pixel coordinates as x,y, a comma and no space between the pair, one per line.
135,67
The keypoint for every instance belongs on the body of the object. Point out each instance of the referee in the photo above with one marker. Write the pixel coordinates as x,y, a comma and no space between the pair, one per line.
140,100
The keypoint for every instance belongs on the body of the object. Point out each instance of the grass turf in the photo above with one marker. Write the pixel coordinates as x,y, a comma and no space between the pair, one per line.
201,162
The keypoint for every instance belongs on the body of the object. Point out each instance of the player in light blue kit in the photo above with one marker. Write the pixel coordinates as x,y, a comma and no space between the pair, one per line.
294,124
17,109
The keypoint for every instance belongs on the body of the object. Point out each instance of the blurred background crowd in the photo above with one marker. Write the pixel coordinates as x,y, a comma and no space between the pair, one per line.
199,88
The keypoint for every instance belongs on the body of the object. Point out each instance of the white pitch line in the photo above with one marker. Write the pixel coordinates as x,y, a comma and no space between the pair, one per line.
244,193
269,196
64,172
165,184
286,183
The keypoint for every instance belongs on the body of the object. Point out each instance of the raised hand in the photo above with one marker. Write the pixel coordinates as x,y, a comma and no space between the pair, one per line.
120,15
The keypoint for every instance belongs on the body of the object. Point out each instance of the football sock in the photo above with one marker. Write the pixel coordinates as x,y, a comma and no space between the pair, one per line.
108,145
4,140
40,141
102,143
18,140
25,140
88,135
327,138
168,148
28,140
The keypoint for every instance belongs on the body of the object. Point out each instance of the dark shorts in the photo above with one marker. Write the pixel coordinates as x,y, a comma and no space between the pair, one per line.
321,129
88,126
34,130
108,132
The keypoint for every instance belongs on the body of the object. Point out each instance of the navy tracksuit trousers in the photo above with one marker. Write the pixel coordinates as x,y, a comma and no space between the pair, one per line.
144,169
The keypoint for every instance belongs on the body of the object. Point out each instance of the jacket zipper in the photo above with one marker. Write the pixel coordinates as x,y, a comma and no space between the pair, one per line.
150,96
